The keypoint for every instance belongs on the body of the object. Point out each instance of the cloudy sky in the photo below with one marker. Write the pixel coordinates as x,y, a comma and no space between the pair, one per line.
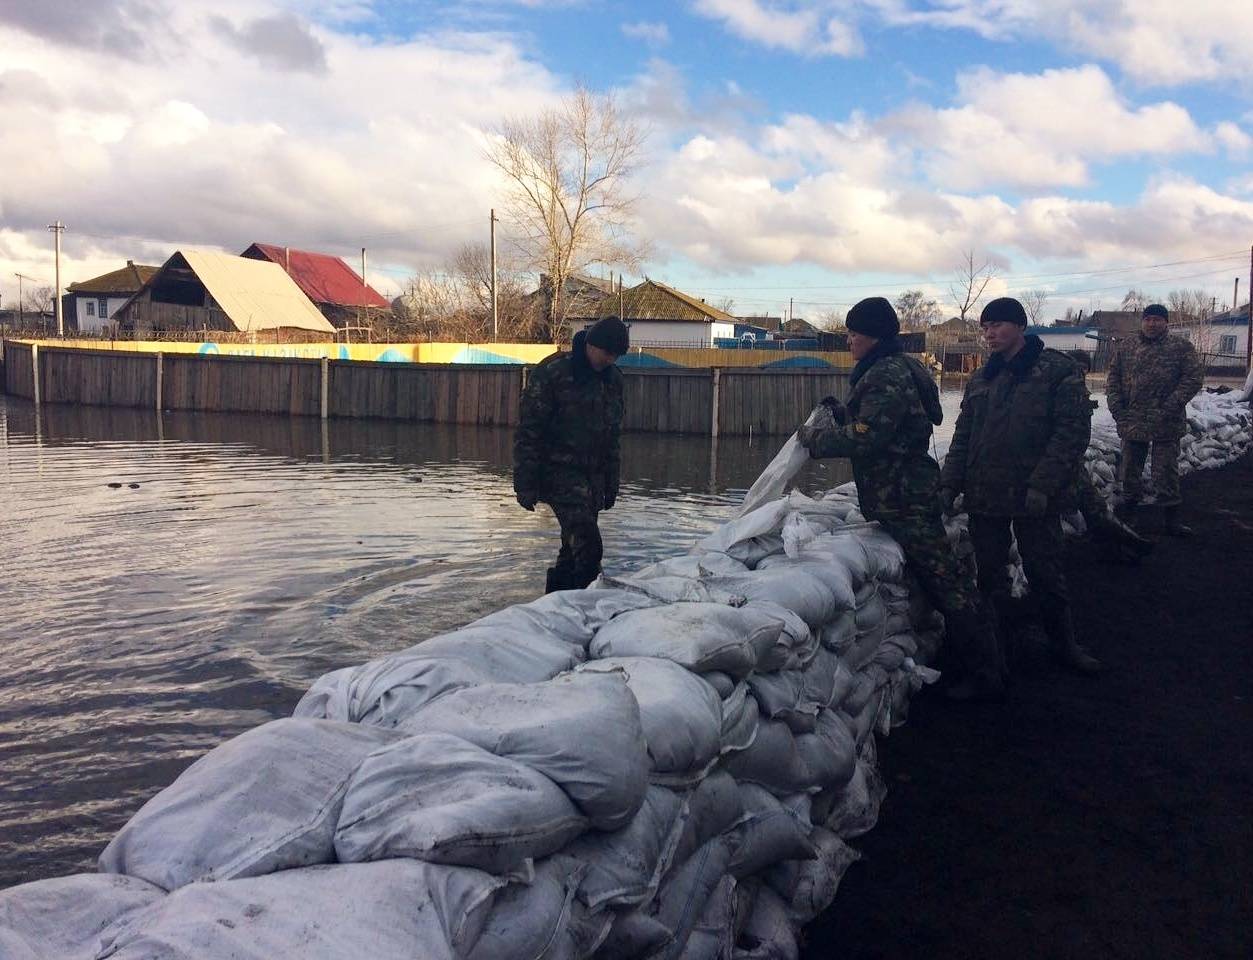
821,151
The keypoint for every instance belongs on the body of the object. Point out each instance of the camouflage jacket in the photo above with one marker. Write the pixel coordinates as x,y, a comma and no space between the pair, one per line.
891,409
566,447
1024,424
1150,384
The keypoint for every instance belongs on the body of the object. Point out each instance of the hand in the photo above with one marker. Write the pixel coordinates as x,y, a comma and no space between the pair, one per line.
948,501
807,436
527,500
1037,503
838,411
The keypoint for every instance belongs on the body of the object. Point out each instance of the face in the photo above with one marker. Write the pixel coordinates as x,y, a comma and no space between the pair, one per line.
860,344
599,358
1153,327
1003,337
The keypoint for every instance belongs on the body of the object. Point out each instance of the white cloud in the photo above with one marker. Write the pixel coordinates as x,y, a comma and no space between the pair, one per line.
654,34
1232,138
805,28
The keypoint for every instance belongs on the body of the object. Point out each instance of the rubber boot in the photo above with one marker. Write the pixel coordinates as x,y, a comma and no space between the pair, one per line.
555,580
1126,511
1117,540
1065,647
1171,525
973,634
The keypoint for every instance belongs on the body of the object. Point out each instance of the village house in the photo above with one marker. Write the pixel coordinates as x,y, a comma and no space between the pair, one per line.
660,316
199,290
88,304
339,292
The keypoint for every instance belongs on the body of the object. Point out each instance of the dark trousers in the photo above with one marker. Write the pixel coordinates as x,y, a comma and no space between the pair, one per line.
578,563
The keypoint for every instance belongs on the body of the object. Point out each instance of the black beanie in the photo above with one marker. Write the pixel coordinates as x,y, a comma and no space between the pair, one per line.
609,333
1156,310
873,317
1004,310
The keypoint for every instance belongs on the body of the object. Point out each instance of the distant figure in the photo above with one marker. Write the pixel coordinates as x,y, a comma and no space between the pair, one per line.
885,431
1151,380
565,452
1016,452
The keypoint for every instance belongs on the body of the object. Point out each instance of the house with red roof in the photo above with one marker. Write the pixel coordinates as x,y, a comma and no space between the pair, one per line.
337,290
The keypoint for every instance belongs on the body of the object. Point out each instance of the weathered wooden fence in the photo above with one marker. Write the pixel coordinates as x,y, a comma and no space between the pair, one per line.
724,401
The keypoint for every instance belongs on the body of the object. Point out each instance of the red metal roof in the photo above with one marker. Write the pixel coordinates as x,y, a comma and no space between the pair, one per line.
322,277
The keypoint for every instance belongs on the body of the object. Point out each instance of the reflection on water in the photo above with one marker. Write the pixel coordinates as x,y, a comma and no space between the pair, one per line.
169,581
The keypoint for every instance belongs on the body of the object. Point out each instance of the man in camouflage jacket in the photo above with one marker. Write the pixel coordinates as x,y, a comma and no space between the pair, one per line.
885,432
1151,380
566,449
1018,444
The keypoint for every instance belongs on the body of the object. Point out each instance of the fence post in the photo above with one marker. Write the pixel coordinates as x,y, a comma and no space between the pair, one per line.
160,379
34,363
326,386
717,389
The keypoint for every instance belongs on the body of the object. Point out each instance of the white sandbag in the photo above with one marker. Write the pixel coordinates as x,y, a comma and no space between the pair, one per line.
772,760
714,807
752,551
723,683
687,888
681,716
767,832
698,636
740,719
789,585
504,655
581,730
437,798
691,566
797,531
385,691
541,920
894,650
633,934
625,867
662,589
267,800
856,808
808,887
777,694
830,752
764,520
62,918
768,934
862,722
389,910
825,679
788,462
840,634
713,935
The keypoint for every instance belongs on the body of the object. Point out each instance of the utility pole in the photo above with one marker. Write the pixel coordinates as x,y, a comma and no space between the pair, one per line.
364,298
57,229
789,309
1248,343
1235,297
495,307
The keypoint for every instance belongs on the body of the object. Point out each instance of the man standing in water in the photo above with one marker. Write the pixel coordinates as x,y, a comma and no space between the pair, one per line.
565,452
1151,380
1017,448
885,432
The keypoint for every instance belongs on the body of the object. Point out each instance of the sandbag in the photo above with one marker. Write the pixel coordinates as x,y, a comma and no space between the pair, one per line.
504,655
740,719
687,889
796,643
768,934
681,716
808,887
385,691
63,918
771,761
624,867
267,800
767,832
389,910
830,752
856,807
825,679
581,730
541,920
713,808
437,798
698,636
791,586
713,935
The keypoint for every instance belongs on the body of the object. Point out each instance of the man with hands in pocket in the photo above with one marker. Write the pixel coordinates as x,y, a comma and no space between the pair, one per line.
1019,440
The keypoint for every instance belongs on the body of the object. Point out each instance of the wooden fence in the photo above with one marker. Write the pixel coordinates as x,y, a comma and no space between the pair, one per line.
733,401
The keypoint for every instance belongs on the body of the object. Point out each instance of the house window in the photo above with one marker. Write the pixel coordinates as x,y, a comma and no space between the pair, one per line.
1227,343
91,308
102,308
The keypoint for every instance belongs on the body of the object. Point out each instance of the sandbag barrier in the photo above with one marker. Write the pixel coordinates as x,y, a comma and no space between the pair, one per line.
669,764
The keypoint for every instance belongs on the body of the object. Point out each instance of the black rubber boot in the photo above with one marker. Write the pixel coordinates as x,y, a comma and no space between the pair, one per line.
1117,540
555,580
974,637
1065,647
1171,525
1126,511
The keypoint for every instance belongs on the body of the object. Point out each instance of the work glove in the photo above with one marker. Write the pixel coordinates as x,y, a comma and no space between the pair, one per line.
527,499
838,412
1037,503
808,437
948,501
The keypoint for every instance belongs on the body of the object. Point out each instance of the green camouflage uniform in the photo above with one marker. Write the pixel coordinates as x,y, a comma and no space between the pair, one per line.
1150,384
566,454
891,409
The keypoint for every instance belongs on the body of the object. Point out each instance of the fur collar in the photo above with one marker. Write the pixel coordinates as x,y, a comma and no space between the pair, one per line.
884,348
1020,365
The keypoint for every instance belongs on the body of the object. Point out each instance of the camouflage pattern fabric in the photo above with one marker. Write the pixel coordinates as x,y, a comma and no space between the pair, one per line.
1024,424
1041,545
566,449
578,563
945,580
1164,469
1150,383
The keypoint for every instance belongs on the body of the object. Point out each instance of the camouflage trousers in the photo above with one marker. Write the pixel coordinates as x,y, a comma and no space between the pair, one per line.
578,563
1164,468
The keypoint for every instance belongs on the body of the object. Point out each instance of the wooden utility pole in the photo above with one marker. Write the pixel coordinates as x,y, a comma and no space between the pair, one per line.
57,229
1248,343
495,305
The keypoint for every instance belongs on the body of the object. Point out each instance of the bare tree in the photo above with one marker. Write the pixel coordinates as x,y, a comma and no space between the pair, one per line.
39,300
1135,300
829,320
1192,315
916,310
1033,302
725,304
969,282
567,170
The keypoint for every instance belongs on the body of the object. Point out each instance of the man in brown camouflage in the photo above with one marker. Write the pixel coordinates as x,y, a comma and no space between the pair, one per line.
1017,447
885,431
566,449
1151,380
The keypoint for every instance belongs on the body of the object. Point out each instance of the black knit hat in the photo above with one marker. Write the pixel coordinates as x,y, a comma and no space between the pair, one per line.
610,333
873,317
1156,310
1004,310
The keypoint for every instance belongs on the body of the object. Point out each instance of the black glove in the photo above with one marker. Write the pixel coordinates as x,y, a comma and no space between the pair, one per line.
527,499
838,412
